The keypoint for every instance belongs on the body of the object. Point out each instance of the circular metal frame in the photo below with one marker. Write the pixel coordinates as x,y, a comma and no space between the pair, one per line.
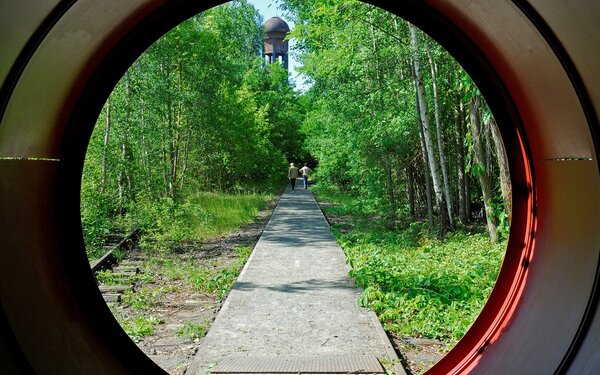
537,70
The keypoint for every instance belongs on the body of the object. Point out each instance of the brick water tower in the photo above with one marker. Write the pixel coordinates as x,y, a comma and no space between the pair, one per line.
275,46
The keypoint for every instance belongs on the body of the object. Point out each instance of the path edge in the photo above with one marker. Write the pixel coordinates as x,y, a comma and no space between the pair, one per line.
397,368
193,367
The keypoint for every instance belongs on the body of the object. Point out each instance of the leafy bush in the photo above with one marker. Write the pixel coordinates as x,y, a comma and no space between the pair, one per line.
97,219
422,287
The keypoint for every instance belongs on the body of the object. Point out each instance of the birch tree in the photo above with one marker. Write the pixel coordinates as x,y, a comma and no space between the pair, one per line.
480,166
425,125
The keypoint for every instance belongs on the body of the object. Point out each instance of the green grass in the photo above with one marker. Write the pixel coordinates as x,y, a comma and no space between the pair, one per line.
225,213
142,299
343,204
192,331
418,285
199,217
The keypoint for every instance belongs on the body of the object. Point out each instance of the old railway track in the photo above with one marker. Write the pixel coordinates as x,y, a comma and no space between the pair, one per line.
123,272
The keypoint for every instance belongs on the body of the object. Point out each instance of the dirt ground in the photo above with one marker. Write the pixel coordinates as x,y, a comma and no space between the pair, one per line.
178,302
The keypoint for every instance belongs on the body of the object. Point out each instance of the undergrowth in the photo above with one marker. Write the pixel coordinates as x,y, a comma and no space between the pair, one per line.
192,331
201,216
139,326
419,285
165,222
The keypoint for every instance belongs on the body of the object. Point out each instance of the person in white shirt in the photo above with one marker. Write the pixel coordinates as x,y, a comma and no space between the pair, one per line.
306,171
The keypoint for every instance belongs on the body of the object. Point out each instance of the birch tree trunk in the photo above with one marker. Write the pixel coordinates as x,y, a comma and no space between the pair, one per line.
482,173
428,193
438,126
503,167
433,165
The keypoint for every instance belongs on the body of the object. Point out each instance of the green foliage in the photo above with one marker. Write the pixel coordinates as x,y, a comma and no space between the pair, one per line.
220,281
106,277
96,217
192,331
361,122
345,204
207,278
502,218
139,326
422,287
418,285
198,217
197,112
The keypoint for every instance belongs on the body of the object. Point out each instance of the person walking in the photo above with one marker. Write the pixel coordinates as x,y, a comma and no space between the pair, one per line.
292,175
306,171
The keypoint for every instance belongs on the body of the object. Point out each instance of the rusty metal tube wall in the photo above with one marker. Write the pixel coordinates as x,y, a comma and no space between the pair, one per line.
538,60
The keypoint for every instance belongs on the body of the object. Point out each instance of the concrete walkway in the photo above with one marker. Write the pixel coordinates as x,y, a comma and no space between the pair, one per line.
293,309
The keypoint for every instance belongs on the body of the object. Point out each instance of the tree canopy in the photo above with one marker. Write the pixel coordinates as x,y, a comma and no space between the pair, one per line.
389,117
392,118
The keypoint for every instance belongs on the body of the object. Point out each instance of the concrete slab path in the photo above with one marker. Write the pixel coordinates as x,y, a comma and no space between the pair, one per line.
293,299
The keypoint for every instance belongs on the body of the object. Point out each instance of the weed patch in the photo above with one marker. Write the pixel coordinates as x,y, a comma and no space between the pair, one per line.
139,326
192,331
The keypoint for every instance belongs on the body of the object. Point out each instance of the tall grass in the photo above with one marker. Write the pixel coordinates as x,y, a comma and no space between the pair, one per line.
227,212
199,217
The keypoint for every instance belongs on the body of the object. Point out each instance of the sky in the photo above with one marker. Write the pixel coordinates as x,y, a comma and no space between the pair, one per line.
268,9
